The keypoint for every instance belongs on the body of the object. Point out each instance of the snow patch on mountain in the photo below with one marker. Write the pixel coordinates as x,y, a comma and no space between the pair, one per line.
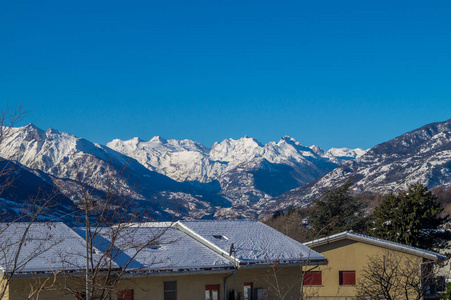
164,173
422,155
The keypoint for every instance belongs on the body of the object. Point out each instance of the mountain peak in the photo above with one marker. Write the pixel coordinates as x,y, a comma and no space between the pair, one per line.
136,140
159,139
290,140
53,131
316,149
32,126
287,137
248,138
31,132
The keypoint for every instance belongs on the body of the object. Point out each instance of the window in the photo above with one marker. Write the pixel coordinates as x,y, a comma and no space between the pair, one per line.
248,291
212,292
170,290
347,277
313,278
125,295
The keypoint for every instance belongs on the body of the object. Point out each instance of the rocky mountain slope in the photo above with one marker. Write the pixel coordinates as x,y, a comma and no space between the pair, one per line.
246,171
422,155
66,161
234,178
173,177
23,190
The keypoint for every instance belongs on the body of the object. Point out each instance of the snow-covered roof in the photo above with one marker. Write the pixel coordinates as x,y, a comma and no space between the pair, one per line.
157,248
375,241
40,247
253,242
151,247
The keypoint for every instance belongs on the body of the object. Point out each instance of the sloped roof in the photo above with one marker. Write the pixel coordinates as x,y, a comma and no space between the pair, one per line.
377,242
169,250
40,247
253,242
151,247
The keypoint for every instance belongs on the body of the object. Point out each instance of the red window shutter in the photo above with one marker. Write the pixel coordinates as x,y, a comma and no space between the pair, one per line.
313,278
212,287
125,295
347,277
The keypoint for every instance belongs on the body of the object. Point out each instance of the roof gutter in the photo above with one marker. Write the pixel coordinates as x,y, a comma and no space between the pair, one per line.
174,273
321,262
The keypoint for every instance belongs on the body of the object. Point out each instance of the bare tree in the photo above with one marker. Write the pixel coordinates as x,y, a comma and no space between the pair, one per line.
9,117
18,217
278,288
295,221
24,238
114,237
392,275
113,240
281,287
292,223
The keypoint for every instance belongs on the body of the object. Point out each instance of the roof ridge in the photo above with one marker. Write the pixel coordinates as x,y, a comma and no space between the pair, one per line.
206,243
374,240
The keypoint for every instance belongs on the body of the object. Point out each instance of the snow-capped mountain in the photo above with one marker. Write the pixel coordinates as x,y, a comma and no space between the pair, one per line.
233,178
66,161
246,170
160,173
422,155
340,155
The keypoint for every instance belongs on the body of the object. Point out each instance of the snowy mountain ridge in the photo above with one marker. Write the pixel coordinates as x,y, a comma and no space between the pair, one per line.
234,178
162,173
185,160
422,155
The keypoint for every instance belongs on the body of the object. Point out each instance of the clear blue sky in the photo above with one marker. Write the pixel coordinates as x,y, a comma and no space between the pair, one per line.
330,73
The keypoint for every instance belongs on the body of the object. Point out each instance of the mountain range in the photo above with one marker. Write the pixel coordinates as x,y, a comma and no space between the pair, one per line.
422,155
233,179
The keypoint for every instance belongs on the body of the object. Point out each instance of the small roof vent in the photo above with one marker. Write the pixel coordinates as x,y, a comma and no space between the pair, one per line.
220,237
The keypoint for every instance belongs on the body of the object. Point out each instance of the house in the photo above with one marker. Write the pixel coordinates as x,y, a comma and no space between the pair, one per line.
353,256
181,260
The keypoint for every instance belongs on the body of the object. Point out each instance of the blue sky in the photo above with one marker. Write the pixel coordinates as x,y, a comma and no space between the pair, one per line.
330,73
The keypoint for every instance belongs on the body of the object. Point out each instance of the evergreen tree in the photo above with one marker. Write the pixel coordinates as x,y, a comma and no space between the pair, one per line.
410,218
336,210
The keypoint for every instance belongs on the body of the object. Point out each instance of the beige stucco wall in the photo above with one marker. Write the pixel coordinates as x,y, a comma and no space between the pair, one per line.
4,289
345,255
285,280
193,286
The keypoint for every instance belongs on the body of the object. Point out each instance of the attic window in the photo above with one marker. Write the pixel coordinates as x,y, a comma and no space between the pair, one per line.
154,247
220,237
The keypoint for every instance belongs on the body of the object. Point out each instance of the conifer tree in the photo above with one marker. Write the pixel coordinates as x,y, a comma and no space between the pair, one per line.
411,218
336,210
